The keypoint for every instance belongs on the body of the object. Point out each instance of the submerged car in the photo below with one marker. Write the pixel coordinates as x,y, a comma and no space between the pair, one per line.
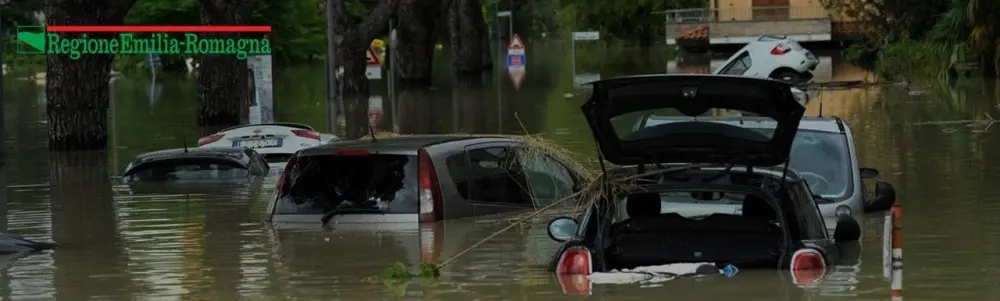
275,141
823,153
414,179
773,57
197,165
736,202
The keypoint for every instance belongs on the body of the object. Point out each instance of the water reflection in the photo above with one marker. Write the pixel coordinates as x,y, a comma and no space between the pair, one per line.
91,261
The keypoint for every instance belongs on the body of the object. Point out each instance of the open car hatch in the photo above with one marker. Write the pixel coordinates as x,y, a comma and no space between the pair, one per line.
693,141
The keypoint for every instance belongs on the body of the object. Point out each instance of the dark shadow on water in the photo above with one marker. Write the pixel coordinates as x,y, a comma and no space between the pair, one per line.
90,260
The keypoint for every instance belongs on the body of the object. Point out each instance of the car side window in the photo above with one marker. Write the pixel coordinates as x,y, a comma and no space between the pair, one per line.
739,65
813,225
548,178
494,175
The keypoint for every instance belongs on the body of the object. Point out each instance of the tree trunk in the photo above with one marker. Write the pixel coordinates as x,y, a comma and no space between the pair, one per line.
484,40
222,79
77,90
413,52
466,45
352,42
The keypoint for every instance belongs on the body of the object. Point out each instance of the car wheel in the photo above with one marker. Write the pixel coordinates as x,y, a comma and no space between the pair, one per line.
788,77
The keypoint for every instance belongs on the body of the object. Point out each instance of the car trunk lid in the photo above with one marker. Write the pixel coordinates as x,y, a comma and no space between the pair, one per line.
693,141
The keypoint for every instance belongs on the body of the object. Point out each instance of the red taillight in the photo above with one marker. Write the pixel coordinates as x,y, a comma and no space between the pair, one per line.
575,261
209,139
306,134
430,196
781,49
351,153
575,285
807,267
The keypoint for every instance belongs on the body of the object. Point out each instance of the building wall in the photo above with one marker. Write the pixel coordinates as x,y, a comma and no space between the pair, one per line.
743,10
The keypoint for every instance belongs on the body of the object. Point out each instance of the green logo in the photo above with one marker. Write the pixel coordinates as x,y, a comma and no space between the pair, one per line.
31,39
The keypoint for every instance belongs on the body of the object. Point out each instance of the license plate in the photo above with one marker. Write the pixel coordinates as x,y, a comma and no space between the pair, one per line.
258,143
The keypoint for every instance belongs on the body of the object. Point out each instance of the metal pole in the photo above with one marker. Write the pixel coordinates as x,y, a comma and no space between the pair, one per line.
392,60
332,100
499,73
3,40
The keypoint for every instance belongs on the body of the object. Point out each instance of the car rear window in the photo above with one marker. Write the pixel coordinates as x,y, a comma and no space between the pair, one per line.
321,183
185,169
693,204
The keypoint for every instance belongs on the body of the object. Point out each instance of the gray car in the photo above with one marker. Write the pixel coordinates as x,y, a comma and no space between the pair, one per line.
823,153
416,179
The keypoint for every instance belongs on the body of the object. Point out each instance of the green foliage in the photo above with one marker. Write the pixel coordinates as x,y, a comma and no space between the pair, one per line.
397,277
635,21
909,59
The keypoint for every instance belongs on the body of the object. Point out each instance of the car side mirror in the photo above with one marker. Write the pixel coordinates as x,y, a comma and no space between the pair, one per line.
848,229
868,173
562,228
885,197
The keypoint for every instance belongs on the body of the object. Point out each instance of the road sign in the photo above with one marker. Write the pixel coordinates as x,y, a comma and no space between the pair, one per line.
515,60
515,53
374,69
516,46
516,76
586,36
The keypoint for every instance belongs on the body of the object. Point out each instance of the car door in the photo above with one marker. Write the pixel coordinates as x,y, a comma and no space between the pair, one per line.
548,178
495,179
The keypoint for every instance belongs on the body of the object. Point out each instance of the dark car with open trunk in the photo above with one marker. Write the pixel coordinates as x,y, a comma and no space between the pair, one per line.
415,179
697,190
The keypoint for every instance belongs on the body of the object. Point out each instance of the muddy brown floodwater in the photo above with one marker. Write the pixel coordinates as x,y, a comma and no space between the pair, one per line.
936,145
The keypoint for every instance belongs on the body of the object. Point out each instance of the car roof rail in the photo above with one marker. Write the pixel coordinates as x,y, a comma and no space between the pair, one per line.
840,124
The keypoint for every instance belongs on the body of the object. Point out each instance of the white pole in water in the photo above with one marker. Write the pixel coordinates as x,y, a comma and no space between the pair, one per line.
896,288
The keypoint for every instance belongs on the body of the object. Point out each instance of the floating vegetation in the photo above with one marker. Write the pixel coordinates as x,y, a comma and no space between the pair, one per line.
398,276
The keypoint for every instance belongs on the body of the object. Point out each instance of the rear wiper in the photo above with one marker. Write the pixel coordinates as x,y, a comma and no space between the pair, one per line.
332,213
822,198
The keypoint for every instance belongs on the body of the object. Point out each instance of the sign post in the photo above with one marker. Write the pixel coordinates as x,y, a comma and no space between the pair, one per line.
374,69
262,87
516,61
580,79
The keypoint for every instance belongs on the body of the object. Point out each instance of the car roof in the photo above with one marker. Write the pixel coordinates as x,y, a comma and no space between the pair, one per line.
397,143
809,123
190,152
284,124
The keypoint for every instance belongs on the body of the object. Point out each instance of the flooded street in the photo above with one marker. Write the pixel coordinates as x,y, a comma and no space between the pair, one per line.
932,143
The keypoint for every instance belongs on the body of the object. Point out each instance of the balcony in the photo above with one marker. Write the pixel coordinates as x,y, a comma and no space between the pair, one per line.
740,25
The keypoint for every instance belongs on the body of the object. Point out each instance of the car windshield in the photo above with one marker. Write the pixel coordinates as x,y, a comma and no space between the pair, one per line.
822,159
186,169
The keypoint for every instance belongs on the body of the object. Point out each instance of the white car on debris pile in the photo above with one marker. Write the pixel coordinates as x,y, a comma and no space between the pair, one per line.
275,141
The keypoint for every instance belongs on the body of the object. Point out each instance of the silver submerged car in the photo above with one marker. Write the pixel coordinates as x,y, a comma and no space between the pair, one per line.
823,153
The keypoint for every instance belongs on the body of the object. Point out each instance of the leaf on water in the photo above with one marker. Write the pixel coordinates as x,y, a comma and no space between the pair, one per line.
429,270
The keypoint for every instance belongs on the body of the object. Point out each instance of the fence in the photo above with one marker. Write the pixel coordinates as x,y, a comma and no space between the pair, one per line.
746,13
